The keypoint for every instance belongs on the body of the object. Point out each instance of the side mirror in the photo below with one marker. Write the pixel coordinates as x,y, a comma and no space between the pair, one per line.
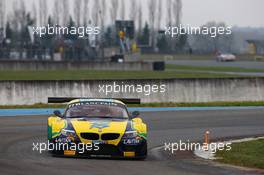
58,113
135,114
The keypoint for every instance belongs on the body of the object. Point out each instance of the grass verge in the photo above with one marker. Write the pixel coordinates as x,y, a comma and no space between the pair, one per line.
247,154
158,57
217,69
104,75
210,104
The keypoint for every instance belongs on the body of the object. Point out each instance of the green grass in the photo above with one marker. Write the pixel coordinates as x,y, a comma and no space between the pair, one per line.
217,69
209,104
102,75
157,57
247,154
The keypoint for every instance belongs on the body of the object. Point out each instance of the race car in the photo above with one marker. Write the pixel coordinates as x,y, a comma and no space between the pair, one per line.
225,57
97,128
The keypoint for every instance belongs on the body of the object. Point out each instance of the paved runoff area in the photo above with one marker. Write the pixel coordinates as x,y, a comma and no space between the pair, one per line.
19,132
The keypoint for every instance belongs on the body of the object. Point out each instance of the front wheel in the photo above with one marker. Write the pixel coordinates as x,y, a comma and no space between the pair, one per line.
144,152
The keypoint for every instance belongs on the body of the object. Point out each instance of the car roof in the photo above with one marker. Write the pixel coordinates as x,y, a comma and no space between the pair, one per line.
95,100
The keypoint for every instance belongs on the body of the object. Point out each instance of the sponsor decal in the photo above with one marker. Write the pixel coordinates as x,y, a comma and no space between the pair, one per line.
93,103
100,125
99,142
131,141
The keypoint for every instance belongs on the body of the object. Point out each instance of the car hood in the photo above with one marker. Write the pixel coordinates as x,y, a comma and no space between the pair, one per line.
99,126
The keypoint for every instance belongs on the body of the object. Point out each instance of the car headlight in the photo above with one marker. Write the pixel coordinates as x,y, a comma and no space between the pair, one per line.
68,132
130,134
67,136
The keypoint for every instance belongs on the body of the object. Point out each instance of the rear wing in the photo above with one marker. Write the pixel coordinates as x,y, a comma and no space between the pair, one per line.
68,99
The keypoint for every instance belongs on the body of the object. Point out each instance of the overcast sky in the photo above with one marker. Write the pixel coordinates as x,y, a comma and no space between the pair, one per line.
233,12
197,12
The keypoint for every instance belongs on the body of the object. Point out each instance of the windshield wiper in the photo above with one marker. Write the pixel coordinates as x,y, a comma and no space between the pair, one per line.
108,117
75,117
97,117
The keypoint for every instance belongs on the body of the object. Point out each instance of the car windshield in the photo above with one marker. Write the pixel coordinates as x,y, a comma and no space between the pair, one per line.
96,110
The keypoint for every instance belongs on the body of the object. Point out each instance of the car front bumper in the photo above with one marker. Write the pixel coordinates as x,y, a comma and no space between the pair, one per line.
107,151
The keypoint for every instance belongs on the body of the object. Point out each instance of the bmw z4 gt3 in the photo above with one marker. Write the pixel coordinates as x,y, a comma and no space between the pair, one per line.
97,128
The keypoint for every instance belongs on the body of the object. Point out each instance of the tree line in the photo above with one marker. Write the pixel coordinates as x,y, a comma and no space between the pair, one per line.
149,19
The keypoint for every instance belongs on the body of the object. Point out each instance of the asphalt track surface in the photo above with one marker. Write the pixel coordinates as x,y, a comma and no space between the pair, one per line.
19,133
213,63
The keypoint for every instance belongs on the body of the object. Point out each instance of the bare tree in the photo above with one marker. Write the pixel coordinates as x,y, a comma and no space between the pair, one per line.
22,14
133,10
159,14
43,12
177,10
56,12
2,13
77,11
65,12
34,12
152,16
86,14
19,21
96,12
139,18
114,9
169,12
13,17
40,16
123,10
103,13
103,18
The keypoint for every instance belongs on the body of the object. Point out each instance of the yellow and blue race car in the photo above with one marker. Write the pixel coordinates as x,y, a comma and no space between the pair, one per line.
97,128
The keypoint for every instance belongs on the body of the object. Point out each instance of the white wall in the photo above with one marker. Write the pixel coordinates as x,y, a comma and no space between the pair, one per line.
178,90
